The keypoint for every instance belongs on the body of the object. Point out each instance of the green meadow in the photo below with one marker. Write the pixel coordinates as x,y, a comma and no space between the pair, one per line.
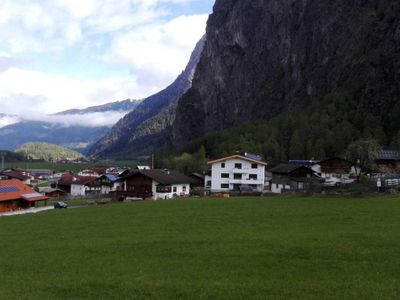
238,248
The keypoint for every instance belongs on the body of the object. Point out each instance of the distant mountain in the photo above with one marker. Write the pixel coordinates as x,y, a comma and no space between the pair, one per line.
147,127
63,128
47,152
125,105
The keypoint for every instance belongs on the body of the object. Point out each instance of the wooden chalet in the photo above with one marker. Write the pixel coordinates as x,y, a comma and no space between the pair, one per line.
16,195
291,177
155,184
388,161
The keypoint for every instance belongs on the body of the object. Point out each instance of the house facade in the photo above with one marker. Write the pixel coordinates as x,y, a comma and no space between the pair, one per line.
155,184
291,177
335,171
84,185
237,173
15,195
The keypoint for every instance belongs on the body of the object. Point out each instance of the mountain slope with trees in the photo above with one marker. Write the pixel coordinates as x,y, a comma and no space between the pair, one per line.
47,152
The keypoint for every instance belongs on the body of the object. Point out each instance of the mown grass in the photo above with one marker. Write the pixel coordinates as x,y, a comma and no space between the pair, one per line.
244,248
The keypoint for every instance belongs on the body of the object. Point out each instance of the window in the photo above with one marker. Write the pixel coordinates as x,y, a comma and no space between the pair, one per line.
237,176
253,177
224,186
163,189
225,175
223,165
254,166
184,188
174,189
238,166
208,183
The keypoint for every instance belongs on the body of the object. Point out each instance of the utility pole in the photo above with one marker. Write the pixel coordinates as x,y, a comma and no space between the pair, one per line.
3,155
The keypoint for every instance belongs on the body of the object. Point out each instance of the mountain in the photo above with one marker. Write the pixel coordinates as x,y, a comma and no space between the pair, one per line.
125,105
329,67
147,127
76,129
47,152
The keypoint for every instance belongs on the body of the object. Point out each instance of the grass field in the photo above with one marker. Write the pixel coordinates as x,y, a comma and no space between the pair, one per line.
244,248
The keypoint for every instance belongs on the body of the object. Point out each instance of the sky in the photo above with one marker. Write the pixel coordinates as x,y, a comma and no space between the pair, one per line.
61,54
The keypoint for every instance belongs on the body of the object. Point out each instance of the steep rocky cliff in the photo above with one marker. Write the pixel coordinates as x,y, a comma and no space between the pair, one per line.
265,57
148,126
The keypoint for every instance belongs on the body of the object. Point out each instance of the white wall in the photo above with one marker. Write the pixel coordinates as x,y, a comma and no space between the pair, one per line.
277,188
217,170
179,191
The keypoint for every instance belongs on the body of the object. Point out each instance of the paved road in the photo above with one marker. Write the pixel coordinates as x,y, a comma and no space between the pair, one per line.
26,211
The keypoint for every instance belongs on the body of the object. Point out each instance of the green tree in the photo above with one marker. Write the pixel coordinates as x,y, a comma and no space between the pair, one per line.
363,153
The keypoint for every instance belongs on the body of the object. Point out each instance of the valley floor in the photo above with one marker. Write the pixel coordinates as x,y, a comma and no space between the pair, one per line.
238,248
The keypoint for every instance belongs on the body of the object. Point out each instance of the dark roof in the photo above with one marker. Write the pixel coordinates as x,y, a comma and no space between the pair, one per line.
286,168
163,176
14,174
301,162
388,154
253,156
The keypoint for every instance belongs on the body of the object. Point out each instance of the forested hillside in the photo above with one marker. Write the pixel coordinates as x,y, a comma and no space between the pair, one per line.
47,152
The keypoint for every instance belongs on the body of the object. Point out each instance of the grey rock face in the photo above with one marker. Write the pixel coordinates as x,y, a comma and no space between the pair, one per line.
263,57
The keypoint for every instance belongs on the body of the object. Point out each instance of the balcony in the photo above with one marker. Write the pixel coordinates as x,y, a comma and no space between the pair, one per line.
241,171
246,181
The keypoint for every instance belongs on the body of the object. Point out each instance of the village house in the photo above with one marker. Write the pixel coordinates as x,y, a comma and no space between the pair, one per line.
109,183
388,161
155,184
82,186
237,173
291,177
42,174
19,174
336,171
92,172
16,195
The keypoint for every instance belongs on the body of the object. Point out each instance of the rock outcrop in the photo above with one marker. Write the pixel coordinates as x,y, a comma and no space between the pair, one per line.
264,57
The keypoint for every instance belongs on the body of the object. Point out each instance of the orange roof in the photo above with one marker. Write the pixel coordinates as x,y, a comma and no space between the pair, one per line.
14,189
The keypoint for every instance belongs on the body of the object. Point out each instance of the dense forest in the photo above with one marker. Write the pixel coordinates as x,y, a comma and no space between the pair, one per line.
315,131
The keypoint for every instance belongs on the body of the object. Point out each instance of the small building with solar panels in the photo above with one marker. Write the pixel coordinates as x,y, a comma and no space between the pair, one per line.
15,195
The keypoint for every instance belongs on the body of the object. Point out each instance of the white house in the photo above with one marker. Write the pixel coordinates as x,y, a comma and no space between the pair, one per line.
85,185
109,183
237,172
155,184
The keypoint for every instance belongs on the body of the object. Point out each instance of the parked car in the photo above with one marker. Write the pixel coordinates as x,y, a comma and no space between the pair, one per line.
60,204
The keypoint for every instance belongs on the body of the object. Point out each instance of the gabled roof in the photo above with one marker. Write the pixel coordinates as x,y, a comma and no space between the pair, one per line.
237,156
287,168
14,189
388,155
163,176
14,174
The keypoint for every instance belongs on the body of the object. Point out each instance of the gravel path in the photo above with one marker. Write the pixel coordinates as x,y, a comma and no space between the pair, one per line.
26,211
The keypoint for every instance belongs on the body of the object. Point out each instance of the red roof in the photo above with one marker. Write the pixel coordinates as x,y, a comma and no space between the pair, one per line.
14,189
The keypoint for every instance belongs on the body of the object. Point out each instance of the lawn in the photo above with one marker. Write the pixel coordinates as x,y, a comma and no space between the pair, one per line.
243,248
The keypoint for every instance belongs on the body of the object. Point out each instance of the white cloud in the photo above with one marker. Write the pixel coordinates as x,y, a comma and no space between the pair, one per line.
139,35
